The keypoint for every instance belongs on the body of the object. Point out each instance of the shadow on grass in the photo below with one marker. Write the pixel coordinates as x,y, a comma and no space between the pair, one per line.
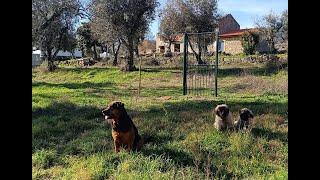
179,157
74,85
64,125
161,68
61,122
156,139
266,70
81,70
258,107
91,89
67,109
269,134
180,118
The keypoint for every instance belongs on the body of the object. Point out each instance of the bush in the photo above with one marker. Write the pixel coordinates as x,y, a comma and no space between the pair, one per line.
168,54
273,63
153,62
249,42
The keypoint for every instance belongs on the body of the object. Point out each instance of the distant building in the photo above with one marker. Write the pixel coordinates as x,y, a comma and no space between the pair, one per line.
230,36
147,47
38,55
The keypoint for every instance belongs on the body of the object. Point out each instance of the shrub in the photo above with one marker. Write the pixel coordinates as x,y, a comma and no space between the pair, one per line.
249,42
153,62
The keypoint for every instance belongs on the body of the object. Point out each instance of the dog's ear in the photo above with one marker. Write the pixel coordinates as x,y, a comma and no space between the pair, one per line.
243,116
251,114
119,105
104,112
217,111
227,110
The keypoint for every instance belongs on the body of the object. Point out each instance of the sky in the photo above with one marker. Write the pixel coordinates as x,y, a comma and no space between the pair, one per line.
244,11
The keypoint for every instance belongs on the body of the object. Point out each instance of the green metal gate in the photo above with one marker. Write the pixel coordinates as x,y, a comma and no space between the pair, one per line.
200,63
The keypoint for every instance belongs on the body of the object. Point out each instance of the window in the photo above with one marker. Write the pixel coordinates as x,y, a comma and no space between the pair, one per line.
220,46
176,47
161,48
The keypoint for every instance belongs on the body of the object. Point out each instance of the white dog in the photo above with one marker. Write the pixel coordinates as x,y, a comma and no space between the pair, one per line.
223,117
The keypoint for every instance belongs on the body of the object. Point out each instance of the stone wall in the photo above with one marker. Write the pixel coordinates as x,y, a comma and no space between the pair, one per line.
233,46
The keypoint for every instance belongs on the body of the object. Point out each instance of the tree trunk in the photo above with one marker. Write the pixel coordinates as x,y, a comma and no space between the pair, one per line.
115,60
82,51
271,46
115,53
51,66
130,66
198,56
95,56
137,51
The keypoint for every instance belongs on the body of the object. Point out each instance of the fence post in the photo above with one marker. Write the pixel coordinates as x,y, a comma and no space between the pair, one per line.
216,66
139,88
185,56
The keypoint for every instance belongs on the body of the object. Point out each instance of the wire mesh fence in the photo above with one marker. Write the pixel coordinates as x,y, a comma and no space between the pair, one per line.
200,63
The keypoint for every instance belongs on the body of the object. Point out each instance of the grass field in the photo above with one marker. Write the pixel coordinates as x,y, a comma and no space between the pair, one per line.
71,141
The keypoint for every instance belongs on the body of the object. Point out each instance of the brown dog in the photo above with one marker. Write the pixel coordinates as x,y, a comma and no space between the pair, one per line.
124,132
245,119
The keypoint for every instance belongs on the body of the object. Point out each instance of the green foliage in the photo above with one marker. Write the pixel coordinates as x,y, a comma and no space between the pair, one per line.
249,42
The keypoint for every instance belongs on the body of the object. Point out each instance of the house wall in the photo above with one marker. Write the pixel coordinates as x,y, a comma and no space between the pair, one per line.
172,47
233,46
159,42
147,47
228,23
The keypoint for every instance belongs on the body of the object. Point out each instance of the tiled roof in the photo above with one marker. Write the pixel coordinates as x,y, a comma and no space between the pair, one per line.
235,33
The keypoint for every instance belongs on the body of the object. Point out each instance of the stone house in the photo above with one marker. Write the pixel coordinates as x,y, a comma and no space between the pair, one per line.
147,47
176,45
230,36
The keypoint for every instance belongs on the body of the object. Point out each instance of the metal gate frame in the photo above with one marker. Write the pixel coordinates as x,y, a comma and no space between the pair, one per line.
185,62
